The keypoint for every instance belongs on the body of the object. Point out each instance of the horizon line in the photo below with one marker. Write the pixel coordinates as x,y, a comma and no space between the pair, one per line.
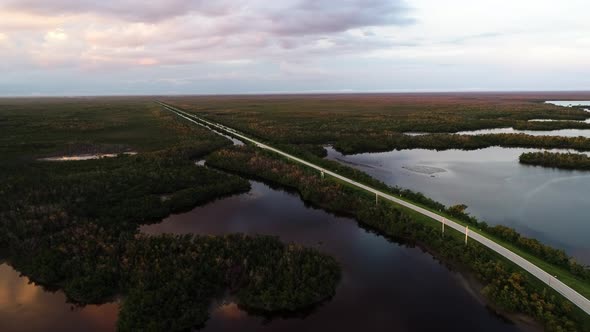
277,93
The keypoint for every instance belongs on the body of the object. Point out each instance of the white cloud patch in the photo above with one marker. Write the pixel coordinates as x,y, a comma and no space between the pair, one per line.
57,35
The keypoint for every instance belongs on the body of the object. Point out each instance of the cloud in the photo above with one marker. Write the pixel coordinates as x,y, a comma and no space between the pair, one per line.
131,10
282,17
317,17
57,35
289,17
176,32
194,42
23,21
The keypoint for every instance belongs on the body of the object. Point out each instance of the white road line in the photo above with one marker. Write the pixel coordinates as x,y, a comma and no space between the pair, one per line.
569,293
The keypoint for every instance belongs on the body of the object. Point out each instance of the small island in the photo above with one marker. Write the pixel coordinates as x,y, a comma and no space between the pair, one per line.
573,161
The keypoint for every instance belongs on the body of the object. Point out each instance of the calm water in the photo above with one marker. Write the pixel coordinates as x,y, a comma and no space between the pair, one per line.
569,103
385,286
510,130
549,204
553,120
560,132
27,307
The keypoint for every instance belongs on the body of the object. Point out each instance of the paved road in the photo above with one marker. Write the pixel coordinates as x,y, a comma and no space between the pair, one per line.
551,281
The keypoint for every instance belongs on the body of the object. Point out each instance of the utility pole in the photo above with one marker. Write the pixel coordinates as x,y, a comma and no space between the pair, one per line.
466,233
322,171
443,226
376,199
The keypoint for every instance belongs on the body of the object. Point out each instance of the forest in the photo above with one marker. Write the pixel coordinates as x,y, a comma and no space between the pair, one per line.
573,161
507,286
74,225
377,122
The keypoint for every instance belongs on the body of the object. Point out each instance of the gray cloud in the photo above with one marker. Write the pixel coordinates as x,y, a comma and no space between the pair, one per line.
314,17
185,31
132,10
290,17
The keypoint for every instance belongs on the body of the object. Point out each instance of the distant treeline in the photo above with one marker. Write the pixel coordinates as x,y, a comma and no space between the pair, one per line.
356,124
506,285
452,141
550,125
576,161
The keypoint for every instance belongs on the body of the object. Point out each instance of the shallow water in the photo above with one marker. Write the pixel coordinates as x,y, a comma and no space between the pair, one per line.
569,103
385,286
510,130
85,156
28,307
554,120
548,204
560,132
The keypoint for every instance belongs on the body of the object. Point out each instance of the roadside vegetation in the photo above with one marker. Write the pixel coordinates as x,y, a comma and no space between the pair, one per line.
74,225
574,161
506,285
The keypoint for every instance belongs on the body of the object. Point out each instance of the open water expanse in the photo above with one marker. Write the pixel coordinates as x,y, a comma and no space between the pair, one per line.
548,204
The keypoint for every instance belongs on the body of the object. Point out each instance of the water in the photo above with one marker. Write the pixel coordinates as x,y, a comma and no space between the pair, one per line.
554,120
385,286
510,130
569,103
234,140
28,307
548,204
86,156
560,132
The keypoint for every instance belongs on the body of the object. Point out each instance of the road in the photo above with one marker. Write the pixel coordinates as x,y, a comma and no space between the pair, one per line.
569,293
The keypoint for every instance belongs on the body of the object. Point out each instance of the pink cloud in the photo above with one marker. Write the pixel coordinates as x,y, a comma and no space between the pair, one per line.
88,34
131,10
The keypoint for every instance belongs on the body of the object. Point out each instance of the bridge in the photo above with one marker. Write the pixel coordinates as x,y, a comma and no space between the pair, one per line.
563,289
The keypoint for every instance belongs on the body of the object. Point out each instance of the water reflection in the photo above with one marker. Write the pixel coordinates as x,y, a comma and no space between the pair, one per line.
545,203
569,103
510,130
559,132
555,120
385,286
28,307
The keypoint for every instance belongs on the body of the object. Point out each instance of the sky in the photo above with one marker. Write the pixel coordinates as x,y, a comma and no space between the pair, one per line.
89,47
